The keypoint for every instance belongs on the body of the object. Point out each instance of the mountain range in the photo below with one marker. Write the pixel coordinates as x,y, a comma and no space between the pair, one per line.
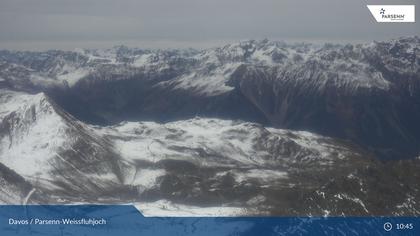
253,128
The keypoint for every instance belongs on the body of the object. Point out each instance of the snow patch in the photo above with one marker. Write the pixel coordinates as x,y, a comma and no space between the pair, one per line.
147,177
164,208
208,84
142,60
262,174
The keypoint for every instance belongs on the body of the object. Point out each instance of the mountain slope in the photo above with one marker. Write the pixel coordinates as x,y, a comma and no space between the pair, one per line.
14,189
50,149
366,93
239,165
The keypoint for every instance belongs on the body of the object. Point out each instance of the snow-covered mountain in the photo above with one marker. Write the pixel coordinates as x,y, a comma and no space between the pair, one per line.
197,166
349,67
52,150
256,127
242,165
335,90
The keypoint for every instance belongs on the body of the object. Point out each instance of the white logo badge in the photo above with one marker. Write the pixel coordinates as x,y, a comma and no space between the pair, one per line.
393,13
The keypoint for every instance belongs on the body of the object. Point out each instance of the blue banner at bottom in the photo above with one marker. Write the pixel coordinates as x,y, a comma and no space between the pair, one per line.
126,220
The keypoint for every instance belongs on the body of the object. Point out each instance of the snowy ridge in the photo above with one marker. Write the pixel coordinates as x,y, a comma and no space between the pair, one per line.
350,67
43,144
35,135
224,142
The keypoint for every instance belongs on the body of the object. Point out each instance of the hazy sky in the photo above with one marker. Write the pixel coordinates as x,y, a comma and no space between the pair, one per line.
67,24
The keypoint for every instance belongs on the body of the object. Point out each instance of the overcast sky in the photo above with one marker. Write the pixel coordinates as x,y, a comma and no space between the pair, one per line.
67,24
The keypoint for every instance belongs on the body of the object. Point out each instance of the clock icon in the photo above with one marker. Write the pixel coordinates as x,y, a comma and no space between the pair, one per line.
387,226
